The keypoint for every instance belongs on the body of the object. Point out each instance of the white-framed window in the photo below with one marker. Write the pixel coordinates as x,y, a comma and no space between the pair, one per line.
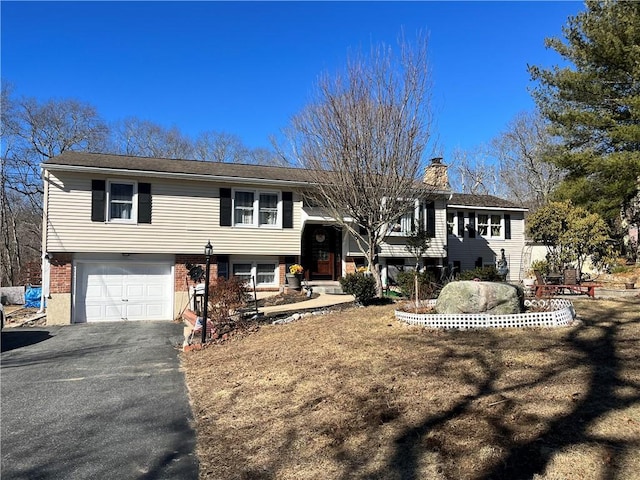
489,225
406,224
243,208
243,271
121,201
268,209
265,272
257,208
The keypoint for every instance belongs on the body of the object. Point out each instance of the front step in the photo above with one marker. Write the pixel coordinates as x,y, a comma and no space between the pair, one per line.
324,286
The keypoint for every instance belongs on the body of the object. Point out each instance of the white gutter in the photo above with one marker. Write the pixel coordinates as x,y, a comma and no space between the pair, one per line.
494,208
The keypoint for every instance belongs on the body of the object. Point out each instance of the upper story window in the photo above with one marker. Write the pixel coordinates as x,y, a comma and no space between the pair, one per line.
256,208
407,223
268,209
451,222
490,225
121,201
243,208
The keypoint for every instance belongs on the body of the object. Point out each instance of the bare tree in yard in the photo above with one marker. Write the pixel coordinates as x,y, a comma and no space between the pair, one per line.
521,151
476,172
513,165
362,139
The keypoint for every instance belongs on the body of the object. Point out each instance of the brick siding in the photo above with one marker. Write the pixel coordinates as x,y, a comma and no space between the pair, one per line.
60,273
182,281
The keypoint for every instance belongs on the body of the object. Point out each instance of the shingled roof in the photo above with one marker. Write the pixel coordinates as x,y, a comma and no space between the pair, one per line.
482,201
167,166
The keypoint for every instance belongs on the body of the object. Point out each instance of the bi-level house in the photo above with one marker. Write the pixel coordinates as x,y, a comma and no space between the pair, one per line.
120,233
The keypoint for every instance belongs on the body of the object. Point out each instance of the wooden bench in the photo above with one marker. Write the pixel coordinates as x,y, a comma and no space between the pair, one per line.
570,283
542,290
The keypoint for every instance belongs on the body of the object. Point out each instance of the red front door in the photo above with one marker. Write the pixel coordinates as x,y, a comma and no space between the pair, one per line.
321,252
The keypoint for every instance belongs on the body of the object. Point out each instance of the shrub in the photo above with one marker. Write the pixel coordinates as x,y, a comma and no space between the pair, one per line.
226,297
426,285
541,266
361,286
486,274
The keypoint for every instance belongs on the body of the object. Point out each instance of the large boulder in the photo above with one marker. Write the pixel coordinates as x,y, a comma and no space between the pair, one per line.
479,297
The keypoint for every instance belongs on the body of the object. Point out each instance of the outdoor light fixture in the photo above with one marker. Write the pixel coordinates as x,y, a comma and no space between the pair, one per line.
208,251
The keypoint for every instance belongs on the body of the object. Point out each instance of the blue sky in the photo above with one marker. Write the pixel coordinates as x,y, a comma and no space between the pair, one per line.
247,67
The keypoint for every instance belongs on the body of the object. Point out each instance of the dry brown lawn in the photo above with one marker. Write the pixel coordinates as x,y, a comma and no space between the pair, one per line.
359,395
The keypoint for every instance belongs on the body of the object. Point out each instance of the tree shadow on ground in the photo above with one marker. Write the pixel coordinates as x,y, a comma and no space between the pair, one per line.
594,346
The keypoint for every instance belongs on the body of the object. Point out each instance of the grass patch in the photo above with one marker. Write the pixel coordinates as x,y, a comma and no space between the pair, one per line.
359,395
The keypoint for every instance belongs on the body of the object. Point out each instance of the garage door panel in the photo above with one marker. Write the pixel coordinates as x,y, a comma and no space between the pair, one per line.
124,292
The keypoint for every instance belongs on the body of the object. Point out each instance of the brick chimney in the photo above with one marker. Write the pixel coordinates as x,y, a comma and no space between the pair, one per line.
436,174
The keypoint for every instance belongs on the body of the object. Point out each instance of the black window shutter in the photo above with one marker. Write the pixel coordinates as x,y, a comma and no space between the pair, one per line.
472,225
507,226
431,220
225,207
144,203
362,230
461,224
287,210
98,209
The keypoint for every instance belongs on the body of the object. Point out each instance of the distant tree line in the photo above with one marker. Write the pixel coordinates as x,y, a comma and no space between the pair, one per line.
33,131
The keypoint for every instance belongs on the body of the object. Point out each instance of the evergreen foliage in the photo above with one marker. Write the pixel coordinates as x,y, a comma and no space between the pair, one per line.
594,106
360,285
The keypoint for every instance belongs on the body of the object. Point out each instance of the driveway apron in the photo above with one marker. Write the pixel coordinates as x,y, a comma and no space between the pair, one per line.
88,401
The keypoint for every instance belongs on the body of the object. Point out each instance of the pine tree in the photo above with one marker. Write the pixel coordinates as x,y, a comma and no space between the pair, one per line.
593,105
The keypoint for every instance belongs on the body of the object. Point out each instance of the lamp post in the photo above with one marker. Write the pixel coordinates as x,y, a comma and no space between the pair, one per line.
208,251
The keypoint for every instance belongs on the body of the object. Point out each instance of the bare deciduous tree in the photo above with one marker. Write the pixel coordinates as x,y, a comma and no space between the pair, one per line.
362,139
513,165
521,150
220,147
133,136
476,172
32,132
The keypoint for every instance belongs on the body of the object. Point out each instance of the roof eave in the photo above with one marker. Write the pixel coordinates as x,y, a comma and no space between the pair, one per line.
173,175
494,207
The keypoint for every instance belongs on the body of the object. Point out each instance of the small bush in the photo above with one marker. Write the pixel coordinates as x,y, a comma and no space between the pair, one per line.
361,286
226,297
541,266
486,274
426,285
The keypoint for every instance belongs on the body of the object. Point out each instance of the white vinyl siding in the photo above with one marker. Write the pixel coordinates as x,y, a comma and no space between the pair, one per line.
185,216
469,250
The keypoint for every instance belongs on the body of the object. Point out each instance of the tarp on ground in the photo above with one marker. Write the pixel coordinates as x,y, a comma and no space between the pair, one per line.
32,297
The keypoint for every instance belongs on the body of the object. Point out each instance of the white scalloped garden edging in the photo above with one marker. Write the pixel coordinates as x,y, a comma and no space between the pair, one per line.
560,314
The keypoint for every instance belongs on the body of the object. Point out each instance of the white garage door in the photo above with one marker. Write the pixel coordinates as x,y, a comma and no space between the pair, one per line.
108,292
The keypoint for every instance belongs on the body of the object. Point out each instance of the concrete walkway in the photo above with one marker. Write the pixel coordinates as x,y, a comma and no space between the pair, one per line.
323,300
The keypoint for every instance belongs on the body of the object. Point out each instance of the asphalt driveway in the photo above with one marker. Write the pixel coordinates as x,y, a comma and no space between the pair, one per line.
101,401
